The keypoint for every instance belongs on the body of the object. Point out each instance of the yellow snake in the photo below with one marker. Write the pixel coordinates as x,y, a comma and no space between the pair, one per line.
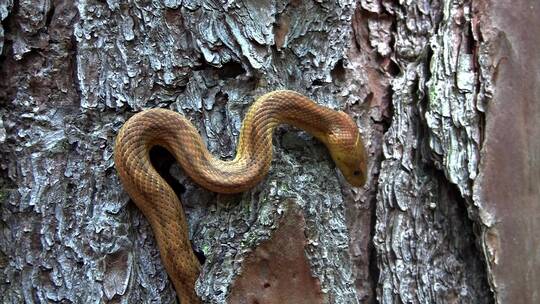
172,131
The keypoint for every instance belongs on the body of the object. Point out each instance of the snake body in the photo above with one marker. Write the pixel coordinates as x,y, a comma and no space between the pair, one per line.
159,203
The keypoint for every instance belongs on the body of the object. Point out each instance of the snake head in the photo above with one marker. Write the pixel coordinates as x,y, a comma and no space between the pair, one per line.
347,150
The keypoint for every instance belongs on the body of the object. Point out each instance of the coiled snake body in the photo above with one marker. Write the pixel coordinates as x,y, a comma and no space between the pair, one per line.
158,202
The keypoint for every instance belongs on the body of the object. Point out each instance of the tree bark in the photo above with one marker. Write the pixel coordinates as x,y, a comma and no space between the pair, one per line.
421,79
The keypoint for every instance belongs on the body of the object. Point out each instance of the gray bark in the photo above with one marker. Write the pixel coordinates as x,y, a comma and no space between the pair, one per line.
417,76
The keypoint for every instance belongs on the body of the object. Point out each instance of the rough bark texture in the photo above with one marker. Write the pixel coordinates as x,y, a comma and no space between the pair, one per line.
424,240
422,79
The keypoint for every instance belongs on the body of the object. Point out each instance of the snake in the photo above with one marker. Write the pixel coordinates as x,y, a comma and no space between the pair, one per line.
171,130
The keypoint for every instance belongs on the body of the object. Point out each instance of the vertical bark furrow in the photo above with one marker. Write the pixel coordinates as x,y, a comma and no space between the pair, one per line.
426,247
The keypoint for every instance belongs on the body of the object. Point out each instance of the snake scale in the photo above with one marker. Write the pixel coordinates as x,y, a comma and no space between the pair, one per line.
159,203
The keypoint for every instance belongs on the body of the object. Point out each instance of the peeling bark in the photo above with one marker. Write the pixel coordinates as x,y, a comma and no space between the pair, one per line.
419,77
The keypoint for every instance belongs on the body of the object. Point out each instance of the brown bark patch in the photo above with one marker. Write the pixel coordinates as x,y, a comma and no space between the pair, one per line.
510,172
278,270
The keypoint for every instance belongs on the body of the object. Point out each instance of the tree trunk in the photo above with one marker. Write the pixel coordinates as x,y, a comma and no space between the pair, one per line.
428,82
